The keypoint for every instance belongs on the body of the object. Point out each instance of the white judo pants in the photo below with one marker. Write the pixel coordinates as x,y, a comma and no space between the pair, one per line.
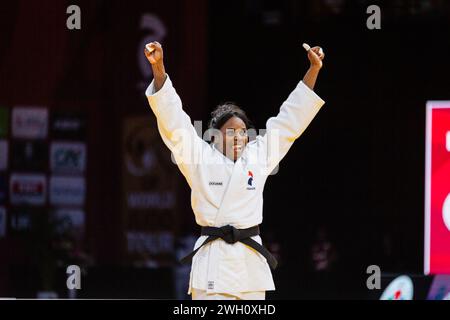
202,295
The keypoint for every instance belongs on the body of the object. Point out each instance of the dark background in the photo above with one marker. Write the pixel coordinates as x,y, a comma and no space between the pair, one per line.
357,171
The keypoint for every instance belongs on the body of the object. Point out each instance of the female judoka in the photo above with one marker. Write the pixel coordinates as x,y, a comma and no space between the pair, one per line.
227,177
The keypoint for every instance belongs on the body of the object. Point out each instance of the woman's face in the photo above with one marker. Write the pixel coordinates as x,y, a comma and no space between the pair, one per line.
234,138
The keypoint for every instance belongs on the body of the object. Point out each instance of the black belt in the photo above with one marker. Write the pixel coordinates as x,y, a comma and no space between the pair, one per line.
232,235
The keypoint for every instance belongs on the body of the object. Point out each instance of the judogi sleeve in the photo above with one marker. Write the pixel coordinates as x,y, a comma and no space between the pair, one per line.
175,127
295,114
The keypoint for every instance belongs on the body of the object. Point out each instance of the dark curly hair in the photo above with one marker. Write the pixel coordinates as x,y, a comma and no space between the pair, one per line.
225,111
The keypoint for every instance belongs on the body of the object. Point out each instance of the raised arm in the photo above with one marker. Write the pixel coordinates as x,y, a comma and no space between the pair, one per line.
174,125
295,114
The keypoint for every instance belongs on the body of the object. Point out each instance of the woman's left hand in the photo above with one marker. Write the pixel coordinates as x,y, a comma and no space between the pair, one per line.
315,56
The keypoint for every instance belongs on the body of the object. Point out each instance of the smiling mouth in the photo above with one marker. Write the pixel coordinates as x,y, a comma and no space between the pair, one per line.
237,148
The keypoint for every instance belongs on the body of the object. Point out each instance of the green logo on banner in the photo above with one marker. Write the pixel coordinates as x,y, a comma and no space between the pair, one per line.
4,120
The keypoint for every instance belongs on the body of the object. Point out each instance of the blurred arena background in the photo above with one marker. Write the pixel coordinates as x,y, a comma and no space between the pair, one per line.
85,178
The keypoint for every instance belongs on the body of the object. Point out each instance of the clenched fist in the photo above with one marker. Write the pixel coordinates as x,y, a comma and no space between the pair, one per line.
315,56
155,56
154,53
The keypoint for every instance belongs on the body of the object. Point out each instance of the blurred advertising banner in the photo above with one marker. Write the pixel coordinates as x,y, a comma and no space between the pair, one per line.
68,125
28,189
67,191
440,288
70,222
149,194
68,157
437,189
30,122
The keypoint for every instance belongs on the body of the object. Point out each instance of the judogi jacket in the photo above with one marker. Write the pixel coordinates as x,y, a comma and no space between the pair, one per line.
224,192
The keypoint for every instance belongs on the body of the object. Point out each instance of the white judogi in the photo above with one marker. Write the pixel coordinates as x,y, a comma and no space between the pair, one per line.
222,192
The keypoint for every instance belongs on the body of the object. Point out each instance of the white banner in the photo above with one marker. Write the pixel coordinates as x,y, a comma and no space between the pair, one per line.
67,191
29,123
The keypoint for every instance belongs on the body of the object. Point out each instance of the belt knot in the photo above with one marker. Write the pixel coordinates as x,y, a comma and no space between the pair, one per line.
229,234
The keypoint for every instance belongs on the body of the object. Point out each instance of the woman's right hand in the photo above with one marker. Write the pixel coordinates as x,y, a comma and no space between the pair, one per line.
156,56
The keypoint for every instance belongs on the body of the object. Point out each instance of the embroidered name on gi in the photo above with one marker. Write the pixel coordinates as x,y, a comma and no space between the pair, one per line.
211,285
214,183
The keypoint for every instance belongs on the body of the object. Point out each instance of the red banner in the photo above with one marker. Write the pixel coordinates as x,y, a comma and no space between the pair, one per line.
437,189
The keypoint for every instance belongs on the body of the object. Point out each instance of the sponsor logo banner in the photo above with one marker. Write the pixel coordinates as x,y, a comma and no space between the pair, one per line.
401,288
440,288
151,200
28,189
29,123
68,157
70,221
67,191
149,197
66,125
158,242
